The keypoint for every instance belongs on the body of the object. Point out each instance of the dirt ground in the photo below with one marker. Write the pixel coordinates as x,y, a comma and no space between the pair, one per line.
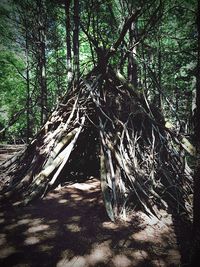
70,228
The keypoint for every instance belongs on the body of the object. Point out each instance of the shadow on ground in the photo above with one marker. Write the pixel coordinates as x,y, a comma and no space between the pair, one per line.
69,228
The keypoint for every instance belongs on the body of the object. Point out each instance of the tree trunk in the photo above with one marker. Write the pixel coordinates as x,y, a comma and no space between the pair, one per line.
28,128
159,100
76,39
68,39
42,59
132,65
196,200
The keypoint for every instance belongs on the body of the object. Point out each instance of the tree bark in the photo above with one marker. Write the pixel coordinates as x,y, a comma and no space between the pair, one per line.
76,39
42,59
28,128
132,65
159,73
68,39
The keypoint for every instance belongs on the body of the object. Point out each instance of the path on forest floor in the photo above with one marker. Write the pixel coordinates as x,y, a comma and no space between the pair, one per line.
69,228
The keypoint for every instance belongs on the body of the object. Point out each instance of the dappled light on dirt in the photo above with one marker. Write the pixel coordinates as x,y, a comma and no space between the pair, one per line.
69,227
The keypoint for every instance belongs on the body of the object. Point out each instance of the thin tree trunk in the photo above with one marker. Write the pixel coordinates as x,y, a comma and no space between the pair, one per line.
28,128
159,73
42,59
76,39
132,66
158,78
144,70
68,39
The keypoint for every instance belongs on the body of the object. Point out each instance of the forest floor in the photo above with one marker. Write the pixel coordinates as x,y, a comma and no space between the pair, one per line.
70,228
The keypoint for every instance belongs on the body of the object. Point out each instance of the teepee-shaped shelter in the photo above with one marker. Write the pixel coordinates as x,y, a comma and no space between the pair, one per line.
105,129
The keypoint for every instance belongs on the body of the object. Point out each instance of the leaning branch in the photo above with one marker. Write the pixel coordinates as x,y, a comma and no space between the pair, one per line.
13,119
125,28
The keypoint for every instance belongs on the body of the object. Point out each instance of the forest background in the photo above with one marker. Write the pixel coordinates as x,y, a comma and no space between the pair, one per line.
44,43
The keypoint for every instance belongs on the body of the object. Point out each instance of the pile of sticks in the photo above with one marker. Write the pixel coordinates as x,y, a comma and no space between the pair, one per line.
103,119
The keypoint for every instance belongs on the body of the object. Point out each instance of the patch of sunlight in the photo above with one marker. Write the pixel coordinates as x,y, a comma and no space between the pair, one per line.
24,221
73,228
144,254
2,220
99,254
6,252
31,240
36,221
140,255
140,235
152,220
121,261
83,186
91,200
78,198
17,203
156,233
167,220
153,234
37,228
109,225
62,201
74,195
77,261
58,188
150,232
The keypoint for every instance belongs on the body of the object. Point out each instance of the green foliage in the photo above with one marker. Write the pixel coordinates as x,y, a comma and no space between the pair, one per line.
165,53
12,90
